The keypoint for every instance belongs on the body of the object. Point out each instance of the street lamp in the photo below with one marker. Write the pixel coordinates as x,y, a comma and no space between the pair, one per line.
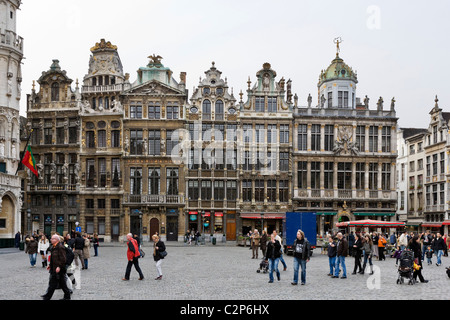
262,221
29,220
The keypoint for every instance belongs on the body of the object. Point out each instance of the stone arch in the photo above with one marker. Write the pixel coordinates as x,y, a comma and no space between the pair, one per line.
8,215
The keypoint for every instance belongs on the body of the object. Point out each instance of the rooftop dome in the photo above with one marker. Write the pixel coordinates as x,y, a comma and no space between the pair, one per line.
338,70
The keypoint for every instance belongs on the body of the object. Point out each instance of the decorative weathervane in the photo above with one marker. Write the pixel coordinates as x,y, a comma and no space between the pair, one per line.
337,41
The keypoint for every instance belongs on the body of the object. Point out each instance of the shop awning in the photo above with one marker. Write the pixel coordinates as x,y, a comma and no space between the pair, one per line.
193,212
371,223
446,223
432,225
326,213
218,214
378,214
251,215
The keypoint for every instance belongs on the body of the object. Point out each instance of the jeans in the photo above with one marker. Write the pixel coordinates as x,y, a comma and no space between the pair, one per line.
439,255
95,250
273,266
33,259
340,260
332,263
282,260
299,262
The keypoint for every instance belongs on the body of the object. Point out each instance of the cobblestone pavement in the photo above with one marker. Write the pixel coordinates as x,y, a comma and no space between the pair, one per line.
220,272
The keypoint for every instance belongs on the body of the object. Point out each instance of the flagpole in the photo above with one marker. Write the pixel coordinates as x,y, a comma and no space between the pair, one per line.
23,153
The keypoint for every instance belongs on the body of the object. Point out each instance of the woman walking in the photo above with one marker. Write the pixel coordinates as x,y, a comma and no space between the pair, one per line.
381,247
32,249
414,245
357,247
86,250
273,256
158,248
263,242
367,248
43,246
375,239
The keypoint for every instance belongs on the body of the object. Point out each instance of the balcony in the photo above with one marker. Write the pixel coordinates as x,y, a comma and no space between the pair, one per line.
103,89
12,40
10,181
53,187
149,199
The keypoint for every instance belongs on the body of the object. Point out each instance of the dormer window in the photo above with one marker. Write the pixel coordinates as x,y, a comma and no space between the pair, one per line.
206,90
219,91
259,104
55,91
343,99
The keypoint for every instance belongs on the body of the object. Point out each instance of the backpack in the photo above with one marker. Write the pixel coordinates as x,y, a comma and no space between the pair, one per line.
69,256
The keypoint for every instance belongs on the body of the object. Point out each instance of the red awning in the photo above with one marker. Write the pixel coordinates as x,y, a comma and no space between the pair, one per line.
193,212
446,223
371,223
218,214
432,225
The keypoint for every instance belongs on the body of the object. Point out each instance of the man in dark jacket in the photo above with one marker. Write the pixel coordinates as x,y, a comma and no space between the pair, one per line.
438,247
342,252
57,269
78,247
302,253
133,255
273,254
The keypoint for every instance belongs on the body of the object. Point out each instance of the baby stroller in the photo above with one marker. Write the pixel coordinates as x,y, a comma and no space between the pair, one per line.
406,268
263,266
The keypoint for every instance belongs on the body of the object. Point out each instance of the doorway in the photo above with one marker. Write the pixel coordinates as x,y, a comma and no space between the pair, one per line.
172,228
115,229
154,226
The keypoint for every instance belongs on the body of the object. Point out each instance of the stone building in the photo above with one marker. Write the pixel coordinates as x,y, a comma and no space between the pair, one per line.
265,152
212,171
153,173
344,153
53,115
11,55
101,163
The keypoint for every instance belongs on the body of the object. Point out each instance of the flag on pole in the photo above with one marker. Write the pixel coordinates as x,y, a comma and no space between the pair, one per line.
28,161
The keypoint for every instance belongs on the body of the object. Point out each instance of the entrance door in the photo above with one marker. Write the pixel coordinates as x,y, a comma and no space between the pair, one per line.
60,229
172,228
115,229
231,227
154,226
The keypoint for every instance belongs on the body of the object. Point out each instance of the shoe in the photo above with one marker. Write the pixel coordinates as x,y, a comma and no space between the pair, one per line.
334,277
142,278
270,281
330,274
125,279
158,278
425,281
354,272
294,283
285,268
303,283
343,277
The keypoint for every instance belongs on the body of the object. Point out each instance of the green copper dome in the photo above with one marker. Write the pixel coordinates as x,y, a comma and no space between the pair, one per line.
338,70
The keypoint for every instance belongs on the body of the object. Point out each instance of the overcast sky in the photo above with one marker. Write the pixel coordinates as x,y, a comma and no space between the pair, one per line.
398,48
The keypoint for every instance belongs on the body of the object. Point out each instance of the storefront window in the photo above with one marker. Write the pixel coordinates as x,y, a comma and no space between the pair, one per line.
218,222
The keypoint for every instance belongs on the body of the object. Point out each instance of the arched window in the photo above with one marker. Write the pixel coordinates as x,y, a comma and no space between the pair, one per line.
55,91
206,110
219,110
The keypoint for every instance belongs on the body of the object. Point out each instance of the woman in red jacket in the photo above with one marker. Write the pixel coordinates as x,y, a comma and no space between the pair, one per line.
132,256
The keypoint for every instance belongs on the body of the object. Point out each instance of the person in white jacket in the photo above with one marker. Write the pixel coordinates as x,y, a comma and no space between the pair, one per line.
43,245
403,241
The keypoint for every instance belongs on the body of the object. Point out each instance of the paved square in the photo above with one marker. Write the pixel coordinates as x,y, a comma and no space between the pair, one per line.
220,272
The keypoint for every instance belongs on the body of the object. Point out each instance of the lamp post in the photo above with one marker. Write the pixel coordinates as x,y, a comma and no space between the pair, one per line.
262,221
140,226
29,220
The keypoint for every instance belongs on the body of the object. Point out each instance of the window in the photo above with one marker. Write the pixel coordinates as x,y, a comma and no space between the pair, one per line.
171,141
206,110
154,111
302,175
60,135
219,110
136,111
442,193
361,138
102,172
272,104
283,190
373,176
302,137
219,190
90,169
442,162
272,133
284,161
231,190
284,133
247,190
259,190
272,190
48,136
247,133
329,137
435,135
373,139
315,137
231,132
193,190
330,99
344,175
360,175
115,138
386,176
259,104
172,181
101,139
206,192
231,159
55,91
328,172
136,142
136,180
247,163
154,142
206,131
435,164
343,99
115,169
315,175
428,166
154,177
386,139
259,130
172,112
90,139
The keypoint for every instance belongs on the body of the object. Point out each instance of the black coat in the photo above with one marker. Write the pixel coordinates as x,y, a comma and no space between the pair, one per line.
273,250
438,244
358,249
161,247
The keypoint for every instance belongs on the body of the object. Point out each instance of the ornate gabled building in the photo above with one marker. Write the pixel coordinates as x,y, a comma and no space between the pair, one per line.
53,115
212,171
264,152
11,55
153,175
344,153
101,163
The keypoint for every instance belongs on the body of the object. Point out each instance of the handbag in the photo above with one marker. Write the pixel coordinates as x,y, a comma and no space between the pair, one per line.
162,254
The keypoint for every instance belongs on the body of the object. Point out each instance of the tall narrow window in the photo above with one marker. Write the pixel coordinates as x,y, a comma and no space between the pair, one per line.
259,104
329,137
301,175
55,91
373,176
315,175
136,141
360,175
272,190
386,139
247,190
344,175
102,172
373,139
136,181
330,99
154,142
219,110
172,181
302,137
154,110
361,138
154,177
328,172
115,169
283,188
315,137
206,110
284,133
272,104
259,190
386,176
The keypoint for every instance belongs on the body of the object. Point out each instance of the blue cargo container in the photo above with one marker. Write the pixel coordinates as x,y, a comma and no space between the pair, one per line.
305,221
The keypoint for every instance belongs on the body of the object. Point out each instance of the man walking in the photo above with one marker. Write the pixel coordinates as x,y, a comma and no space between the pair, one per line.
255,239
342,252
438,247
302,252
78,246
277,237
132,256
57,269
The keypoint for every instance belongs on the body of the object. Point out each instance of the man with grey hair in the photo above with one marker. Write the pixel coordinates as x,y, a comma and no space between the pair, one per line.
133,255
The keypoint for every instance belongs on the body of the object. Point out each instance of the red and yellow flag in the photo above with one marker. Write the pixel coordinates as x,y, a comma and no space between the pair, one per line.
28,161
